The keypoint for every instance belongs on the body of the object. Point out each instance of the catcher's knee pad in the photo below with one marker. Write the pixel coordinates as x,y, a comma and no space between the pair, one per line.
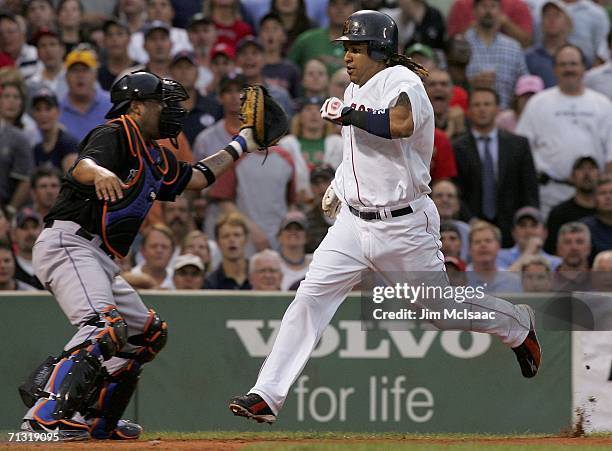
151,341
69,385
109,402
113,336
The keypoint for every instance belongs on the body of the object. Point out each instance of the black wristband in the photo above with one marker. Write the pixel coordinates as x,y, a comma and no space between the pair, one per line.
208,173
230,149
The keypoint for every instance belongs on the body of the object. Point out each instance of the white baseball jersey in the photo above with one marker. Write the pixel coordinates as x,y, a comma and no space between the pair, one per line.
379,172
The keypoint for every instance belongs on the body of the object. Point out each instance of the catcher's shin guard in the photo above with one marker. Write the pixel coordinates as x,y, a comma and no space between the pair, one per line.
60,387
109,402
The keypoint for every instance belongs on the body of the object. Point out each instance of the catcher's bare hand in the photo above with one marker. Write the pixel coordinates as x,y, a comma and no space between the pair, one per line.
330,203
108,186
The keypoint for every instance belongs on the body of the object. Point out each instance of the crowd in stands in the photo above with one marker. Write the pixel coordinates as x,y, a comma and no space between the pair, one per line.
522,163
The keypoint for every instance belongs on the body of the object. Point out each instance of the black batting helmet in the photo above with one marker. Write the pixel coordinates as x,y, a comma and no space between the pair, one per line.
376,28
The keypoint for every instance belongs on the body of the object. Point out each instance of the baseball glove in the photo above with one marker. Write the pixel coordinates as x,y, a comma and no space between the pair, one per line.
262,114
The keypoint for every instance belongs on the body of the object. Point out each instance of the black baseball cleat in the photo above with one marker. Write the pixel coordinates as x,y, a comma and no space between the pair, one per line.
65,431
252,406
529,353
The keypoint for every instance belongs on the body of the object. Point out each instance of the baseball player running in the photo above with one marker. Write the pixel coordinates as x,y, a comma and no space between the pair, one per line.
104,199
385,218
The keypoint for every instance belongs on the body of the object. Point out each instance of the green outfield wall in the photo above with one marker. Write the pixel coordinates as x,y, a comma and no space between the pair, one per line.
405,381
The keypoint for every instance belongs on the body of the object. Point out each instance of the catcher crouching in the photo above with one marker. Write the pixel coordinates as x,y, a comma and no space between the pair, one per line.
105,196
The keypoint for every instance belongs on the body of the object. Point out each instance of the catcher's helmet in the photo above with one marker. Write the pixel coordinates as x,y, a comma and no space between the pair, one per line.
376,28
142,85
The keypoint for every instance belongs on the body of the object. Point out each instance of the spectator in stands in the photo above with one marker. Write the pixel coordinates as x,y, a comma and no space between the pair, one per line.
226,17
292,242
590,28
452,240
69,16
25,230
133,12
315,80
196,243
250,59
222,58
13,43
564,123
338,83
46,183
455,270
85,105
418,22
177,217
485,242
293,17
313,137
39,14
602,267
7,270
445,195
526,87
574,247
515,19
318,42
58,148
600,78
497,60
584,178
115,45
16,164
201,112
50,73
206,142
320,179
277,70
556,27
231,234
157,248
13,105
529,234
449,119
202,36
496,171
160,11
457,58
600,224
443,164
158,47
188,272
265,271
5,225
536,275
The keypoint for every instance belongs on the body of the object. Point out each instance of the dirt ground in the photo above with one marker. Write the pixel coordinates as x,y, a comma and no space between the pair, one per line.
209,445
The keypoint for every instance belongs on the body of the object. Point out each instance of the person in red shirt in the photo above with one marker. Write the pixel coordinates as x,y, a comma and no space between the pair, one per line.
516,19
226,17
443,163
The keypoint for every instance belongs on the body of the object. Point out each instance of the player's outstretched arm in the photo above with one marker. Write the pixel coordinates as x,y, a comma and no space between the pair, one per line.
389,123
206,171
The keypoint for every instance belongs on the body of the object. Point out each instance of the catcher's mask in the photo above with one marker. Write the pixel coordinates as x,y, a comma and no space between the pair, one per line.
147,86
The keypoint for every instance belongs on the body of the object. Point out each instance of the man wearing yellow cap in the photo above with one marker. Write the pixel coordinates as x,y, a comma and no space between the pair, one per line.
86,104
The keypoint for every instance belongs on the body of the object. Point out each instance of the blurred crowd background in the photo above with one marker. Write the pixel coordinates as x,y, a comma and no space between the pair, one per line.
521,171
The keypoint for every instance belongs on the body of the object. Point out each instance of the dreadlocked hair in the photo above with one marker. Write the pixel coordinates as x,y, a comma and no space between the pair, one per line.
402,60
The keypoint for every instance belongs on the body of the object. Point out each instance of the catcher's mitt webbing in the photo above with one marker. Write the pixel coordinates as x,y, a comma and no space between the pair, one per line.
260,112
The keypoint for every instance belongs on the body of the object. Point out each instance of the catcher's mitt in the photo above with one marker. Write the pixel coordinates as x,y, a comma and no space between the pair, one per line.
263,115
